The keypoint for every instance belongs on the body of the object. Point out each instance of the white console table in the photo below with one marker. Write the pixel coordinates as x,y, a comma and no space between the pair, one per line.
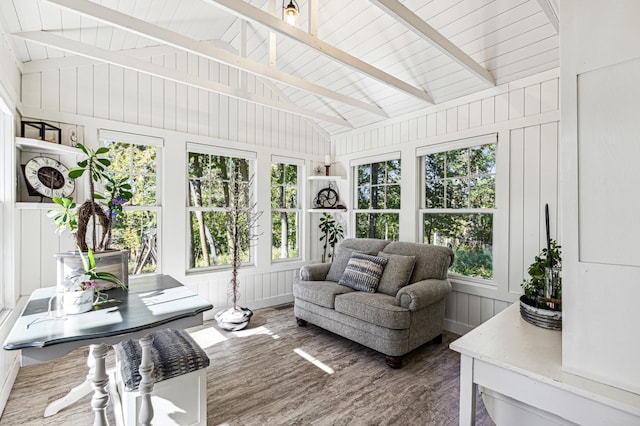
511,357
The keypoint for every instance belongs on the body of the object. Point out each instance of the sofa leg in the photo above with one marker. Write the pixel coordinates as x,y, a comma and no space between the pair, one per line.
301,322
393,361
438,339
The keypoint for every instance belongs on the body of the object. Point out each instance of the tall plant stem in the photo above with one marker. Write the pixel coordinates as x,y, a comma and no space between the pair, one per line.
93,204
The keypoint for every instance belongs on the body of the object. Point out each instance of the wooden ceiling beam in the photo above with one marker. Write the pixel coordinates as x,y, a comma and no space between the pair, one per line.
139,65
414,23
205,50
549,10
246,11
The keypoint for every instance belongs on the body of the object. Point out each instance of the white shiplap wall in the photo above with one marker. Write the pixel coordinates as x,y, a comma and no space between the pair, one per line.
106,96
525,115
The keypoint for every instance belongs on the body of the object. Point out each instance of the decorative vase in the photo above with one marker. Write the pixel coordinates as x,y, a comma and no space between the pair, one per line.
77,302
114,261
233,319
545,318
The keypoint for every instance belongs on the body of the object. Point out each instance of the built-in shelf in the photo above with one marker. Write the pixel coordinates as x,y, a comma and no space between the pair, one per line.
326,210
50,147
319,177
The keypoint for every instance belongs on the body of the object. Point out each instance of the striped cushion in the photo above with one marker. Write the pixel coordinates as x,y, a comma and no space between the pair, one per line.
363,272
173,353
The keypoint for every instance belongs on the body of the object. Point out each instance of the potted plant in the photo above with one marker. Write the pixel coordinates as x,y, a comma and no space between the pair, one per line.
80,286
541,303
332,232
242,216
99,208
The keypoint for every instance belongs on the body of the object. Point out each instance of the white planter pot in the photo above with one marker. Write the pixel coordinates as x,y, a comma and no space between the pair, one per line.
77,302
114,261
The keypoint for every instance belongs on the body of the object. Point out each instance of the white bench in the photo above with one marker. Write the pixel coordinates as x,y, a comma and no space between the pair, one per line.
179,395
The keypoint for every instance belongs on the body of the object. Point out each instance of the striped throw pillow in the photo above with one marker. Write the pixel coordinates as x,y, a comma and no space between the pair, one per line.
363,272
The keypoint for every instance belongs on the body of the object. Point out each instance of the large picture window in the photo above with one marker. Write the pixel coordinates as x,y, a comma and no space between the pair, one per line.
377,213
459,204
285,209
136,229
212,179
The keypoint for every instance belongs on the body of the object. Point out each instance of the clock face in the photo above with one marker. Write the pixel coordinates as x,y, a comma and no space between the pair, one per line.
49,177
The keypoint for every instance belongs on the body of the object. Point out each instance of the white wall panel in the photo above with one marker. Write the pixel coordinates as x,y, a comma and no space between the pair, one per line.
116,93
68,90
85,90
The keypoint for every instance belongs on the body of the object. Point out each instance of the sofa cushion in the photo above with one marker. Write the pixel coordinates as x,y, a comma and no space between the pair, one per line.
431,261
339,264
375,308
344,250
363,272
321,293
396,274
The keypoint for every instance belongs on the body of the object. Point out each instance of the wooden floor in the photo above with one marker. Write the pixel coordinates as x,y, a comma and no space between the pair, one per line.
276,373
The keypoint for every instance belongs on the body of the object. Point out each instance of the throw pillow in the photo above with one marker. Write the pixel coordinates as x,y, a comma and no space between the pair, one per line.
396,274
340,259
363,272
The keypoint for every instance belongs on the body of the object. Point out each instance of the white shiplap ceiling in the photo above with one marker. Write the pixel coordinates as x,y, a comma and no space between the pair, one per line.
369,59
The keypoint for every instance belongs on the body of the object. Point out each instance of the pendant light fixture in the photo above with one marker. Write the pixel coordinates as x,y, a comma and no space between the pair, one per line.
290,12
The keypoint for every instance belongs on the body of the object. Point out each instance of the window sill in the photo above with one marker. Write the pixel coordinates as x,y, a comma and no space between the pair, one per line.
479,287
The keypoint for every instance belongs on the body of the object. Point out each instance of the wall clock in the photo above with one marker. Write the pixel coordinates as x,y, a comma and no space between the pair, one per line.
49,177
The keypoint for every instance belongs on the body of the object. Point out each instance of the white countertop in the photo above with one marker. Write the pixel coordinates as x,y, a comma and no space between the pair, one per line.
507,341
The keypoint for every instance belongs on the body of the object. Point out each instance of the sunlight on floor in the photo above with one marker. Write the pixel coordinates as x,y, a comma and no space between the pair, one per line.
324,367
207,337
255,331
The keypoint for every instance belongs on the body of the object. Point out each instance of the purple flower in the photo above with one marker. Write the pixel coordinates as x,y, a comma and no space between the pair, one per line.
118,201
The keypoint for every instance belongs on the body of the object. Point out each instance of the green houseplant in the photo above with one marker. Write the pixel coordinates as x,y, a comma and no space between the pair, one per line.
541,303
117,192
99,209
534,287
332,232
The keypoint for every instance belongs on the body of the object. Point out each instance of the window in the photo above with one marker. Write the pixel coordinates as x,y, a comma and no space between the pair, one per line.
459,204
285,209
378,199
212,179
132,157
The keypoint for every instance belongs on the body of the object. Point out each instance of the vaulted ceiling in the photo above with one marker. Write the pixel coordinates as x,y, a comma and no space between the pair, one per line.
344,64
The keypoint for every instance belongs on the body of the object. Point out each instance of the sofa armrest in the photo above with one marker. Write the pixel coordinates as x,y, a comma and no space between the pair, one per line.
315,272
422,294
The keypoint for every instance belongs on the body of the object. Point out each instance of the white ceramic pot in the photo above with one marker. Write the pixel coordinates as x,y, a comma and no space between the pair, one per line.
77,302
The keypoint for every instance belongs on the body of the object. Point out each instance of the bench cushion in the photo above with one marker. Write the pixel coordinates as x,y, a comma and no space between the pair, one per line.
173,353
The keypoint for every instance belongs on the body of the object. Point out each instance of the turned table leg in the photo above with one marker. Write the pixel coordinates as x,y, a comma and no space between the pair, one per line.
146,382
100,381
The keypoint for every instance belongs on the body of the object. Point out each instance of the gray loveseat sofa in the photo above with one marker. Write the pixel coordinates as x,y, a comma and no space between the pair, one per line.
405,311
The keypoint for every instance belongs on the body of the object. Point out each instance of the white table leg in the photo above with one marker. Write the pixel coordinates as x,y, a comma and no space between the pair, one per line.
146,382
76,393
100,381
468,388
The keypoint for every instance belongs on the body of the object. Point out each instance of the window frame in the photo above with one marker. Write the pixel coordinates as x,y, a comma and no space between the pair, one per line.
299,163
9,285
421,152
252,159
110,136
354,164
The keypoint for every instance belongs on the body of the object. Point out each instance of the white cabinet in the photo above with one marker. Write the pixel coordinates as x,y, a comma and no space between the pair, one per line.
328,194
